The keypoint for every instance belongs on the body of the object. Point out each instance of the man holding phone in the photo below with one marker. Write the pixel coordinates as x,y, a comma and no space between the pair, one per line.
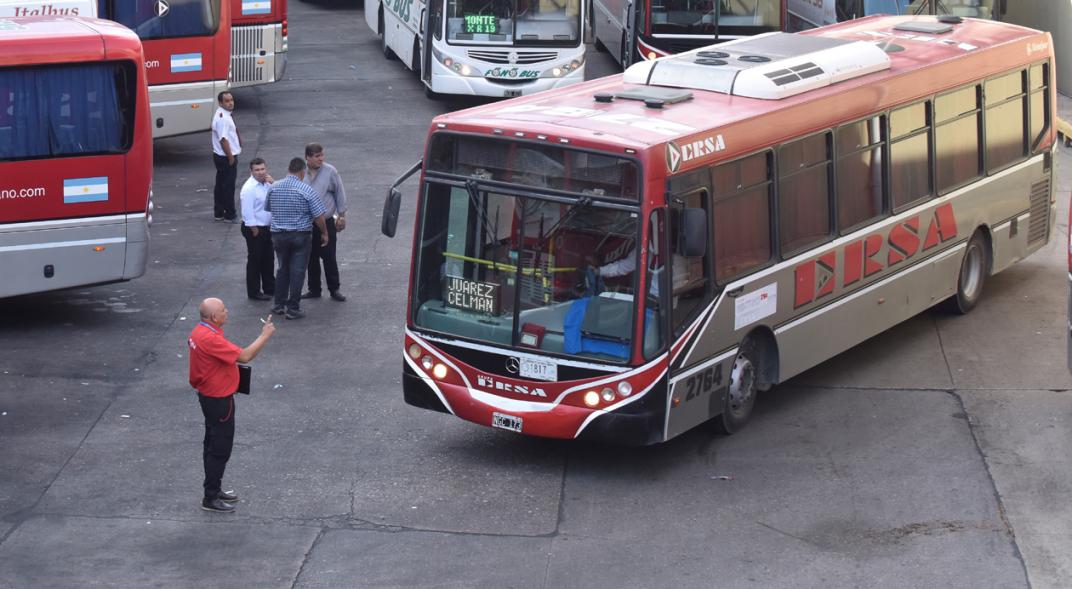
214,374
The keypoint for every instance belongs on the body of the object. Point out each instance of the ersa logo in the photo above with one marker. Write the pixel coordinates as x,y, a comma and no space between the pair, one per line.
677,155
489,382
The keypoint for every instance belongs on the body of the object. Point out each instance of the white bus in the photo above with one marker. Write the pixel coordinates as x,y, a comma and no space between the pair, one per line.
487,48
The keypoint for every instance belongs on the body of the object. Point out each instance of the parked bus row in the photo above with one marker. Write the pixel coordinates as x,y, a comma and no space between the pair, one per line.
628,258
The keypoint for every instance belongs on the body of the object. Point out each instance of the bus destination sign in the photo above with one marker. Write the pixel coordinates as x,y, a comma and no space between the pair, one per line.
482,297
481,24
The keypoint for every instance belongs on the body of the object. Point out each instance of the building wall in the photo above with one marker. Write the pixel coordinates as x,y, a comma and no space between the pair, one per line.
1054,16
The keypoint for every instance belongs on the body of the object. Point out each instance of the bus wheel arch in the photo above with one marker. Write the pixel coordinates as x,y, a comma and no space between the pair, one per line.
749,374
767,354
975,266
415,59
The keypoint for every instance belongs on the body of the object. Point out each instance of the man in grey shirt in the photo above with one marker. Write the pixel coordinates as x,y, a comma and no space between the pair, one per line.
325,180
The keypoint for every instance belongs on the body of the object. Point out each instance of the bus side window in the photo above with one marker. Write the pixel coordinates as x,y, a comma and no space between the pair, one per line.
688,274
910,155
804,194
1006,129
956,138
653,310
742,216
861,172
1039,103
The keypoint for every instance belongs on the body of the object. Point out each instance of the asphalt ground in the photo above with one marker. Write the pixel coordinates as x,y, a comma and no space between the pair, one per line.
934,455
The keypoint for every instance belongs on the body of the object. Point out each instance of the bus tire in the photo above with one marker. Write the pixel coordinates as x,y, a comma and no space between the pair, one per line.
387,52
415,60
974,268
740,396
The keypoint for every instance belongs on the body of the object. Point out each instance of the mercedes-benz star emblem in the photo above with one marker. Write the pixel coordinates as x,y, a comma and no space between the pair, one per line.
161,8
513,365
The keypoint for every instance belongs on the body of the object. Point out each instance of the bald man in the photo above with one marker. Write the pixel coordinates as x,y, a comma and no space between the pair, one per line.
214,374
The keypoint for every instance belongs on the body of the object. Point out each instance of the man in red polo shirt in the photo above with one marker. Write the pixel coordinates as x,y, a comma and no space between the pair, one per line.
214,373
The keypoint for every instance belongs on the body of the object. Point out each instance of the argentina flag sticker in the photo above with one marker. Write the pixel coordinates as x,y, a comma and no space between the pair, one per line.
185,62
256,6
76,190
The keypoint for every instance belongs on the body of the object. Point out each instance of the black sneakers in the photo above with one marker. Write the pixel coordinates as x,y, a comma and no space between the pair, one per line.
337,296
311,295
294,314
228,496
217,505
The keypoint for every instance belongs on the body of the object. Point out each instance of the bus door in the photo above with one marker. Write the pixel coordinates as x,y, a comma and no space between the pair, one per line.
629,21
430,23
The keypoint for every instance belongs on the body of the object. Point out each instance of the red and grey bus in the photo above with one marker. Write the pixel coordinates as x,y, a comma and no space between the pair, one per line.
636,255
258,41
634,30
76,154
187,51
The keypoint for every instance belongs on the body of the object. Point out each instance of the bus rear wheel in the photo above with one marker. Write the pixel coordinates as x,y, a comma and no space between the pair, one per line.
972,277
741,395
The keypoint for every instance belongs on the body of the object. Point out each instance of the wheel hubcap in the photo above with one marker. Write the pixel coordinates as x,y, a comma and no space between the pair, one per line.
742,384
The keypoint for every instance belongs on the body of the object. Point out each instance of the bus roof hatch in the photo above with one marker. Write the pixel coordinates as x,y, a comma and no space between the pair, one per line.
770,66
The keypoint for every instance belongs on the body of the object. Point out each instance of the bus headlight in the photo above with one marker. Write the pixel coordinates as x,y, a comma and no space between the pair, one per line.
625,389
465,70
557,72
440,371
414,351
591,398
427,362
607,394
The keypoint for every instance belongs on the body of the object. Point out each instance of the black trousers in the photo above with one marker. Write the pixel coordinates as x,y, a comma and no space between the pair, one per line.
219,439
223,193
327,254
260,261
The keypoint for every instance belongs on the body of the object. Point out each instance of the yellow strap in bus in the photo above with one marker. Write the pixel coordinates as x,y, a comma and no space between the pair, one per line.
506,267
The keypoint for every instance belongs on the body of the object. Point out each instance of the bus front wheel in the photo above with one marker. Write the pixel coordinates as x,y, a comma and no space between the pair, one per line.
972,277
740,397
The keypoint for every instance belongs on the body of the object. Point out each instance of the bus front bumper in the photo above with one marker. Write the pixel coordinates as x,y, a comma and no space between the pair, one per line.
445,81
636,424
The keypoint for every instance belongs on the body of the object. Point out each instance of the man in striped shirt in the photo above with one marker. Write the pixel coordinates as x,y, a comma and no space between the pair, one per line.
295,208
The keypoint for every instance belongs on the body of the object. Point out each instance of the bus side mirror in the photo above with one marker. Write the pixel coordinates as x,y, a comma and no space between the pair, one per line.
391,204
692,233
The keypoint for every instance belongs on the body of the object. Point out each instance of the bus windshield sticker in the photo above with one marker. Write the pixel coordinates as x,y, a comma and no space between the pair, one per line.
470,295
755,305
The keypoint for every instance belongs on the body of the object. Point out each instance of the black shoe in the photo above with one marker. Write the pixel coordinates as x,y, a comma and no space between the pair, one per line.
311,295
227,496
260,297
232,221
278,310
216,505
294,314
337,296
220,218
270,293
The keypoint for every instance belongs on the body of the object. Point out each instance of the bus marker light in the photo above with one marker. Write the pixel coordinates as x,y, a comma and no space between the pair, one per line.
625,389
441,125
607,394
427,362
440,371
518,134
195,106
675,401
98,248
591,398
414,351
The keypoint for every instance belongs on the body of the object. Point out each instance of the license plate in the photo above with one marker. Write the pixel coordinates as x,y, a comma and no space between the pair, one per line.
511,93
508,422
538,369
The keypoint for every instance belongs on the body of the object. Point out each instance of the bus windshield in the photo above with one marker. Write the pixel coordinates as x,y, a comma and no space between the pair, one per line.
525,272
710,17
164,20
514,22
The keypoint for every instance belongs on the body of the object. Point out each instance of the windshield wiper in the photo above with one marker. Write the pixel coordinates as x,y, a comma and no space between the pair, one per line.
474,199
583,203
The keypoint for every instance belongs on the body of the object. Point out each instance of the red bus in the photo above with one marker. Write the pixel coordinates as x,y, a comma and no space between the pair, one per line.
258,41
76,154
187,51
633,30
630,257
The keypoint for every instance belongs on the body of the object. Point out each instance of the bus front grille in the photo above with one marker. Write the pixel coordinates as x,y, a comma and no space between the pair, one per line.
247,46
491,56
533,57
1040,212
516,58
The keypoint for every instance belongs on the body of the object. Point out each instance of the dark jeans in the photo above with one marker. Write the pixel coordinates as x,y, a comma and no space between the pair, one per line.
260,265
223,193
219,439
327,254
292,255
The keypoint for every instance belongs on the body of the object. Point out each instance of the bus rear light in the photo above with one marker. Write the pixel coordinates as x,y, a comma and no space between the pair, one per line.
285,28
427,362
414,351
591,398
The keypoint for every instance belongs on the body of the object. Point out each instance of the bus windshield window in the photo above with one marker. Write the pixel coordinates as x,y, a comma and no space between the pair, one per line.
708,17
967,8
66,110
536,165
514,22
181,18
527,273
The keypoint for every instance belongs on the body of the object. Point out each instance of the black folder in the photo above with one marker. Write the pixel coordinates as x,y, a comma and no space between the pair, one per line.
244,374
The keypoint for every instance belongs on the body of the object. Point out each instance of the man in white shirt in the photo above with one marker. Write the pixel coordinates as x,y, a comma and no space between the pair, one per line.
256,228
226,145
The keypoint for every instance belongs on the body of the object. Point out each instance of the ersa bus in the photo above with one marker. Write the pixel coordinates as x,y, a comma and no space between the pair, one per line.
258,41
484,48
629,258
649,29
75,154
187,51
807,14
